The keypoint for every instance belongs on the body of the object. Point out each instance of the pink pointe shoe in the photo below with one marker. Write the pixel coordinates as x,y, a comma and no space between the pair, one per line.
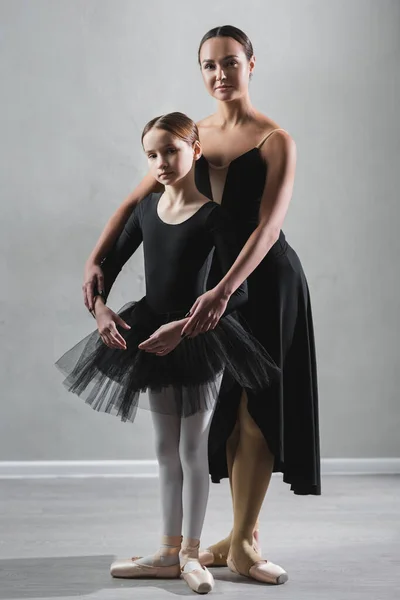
198,577
129,568
263,570
208,558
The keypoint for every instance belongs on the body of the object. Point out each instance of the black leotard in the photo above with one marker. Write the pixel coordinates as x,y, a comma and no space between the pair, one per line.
178,258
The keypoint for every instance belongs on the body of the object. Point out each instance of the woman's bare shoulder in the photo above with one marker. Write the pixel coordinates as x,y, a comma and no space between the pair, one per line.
207,122
266,125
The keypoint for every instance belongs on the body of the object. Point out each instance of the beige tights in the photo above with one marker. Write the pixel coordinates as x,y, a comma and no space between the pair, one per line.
250,465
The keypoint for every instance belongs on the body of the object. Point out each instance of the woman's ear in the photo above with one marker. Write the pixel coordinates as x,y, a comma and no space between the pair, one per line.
252,64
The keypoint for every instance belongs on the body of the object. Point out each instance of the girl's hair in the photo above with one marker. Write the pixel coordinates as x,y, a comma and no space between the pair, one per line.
232,32
176,123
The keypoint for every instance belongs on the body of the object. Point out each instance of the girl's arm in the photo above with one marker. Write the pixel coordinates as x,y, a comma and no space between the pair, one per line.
127,243
280,155
93,276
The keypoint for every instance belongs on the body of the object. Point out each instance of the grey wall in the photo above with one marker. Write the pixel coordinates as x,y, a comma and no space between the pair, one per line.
80,78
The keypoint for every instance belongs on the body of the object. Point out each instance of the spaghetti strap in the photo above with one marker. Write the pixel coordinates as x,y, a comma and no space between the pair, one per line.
267,136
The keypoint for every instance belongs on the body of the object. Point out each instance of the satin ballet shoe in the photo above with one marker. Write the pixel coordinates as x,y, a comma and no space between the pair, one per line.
198,577
262,570
130,569
208,558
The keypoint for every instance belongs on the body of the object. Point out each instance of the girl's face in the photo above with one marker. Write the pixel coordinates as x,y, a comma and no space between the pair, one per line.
170,158
225,68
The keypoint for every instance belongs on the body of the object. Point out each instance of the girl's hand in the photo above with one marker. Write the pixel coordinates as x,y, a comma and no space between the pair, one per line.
165,339
205,313
93,276
107,321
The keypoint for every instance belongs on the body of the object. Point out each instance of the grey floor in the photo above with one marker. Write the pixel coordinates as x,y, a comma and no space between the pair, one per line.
58,537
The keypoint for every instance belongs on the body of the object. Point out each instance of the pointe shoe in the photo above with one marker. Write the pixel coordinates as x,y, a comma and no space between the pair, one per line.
198,578
263,570
130,569
207,558
210,559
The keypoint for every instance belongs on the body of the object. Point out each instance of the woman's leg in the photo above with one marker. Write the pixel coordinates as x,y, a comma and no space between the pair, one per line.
220,550
217,554
251,475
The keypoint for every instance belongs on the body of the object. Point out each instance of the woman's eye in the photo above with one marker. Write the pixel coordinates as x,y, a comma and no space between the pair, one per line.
208,66
151,156
232,63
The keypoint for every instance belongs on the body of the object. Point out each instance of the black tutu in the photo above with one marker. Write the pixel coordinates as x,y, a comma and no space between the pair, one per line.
110,380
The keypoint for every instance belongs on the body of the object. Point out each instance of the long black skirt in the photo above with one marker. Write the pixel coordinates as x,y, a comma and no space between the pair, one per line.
278,314
111,380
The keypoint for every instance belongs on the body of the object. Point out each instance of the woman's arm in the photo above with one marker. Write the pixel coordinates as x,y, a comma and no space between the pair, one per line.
93,275
226,250
280,155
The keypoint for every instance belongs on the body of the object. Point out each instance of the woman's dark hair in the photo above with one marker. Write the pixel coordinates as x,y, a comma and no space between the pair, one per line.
176,123
232,32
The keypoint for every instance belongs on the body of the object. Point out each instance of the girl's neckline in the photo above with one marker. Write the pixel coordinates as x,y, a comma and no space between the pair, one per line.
180,222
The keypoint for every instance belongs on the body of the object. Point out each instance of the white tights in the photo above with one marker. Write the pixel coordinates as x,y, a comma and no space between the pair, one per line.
182,454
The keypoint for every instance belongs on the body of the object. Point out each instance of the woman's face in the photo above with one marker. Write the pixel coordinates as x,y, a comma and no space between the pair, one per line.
225,68
169,157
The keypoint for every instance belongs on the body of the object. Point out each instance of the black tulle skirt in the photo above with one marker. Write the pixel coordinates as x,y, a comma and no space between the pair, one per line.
111,380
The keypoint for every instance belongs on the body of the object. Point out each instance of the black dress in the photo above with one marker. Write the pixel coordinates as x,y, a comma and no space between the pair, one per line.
179,260
278,313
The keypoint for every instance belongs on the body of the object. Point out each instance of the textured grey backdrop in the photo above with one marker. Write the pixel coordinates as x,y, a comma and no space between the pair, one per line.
79,80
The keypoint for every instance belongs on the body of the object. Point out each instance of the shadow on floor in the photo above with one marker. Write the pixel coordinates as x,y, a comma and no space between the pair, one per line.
80,576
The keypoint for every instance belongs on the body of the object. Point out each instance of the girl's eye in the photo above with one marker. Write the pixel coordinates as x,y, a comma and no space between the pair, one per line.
232,63
208,66
171,150
151,156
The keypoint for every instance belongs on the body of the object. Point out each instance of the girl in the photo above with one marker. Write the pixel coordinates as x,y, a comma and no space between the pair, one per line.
186,242
248,166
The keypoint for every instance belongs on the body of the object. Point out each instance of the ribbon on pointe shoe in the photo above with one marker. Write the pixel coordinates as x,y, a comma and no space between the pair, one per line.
198,578
163,564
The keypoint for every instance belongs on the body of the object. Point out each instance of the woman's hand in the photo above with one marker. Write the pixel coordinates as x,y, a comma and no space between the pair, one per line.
107,321
165,339
93,277
206,312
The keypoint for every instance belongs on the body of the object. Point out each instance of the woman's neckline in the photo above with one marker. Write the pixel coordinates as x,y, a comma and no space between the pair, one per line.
222,167
180,222
258,147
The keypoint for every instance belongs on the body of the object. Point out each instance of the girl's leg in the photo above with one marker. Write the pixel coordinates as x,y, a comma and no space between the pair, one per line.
196,482
165,562
193,451
167,437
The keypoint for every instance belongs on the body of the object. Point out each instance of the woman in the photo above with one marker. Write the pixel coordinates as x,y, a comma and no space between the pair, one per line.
248,166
